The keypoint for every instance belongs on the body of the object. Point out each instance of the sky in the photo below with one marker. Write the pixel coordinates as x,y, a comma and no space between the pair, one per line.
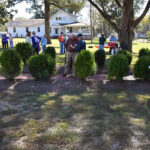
22,11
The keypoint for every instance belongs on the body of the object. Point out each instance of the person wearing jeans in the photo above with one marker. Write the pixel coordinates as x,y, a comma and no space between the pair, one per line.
102,41
11,41
44,43
61,41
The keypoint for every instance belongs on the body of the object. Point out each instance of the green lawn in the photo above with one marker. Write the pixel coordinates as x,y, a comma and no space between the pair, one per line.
75,120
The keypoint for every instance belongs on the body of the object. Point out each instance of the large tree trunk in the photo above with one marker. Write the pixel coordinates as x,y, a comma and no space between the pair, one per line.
47,21
126,37
126,34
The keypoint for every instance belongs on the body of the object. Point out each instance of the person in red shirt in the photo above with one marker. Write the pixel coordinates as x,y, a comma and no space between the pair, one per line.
70,55
61,41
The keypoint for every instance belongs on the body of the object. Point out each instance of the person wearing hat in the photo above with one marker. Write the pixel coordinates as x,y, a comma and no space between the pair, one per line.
36,42
81,44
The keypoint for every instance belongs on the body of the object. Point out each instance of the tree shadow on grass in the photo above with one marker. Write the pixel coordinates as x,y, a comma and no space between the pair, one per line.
101,118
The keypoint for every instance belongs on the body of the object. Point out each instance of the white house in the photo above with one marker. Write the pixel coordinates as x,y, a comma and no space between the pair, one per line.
59,22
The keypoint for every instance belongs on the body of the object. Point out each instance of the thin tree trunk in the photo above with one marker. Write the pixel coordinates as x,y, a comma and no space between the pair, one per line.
47,21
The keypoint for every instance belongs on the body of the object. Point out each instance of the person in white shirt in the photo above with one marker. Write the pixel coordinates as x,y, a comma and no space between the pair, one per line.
28,38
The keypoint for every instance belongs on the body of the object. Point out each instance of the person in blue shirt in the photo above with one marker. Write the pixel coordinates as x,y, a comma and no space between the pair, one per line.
44,43
113,39
36,42
81,44
5,40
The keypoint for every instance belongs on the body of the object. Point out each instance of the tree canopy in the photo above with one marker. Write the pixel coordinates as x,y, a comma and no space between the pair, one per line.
121,15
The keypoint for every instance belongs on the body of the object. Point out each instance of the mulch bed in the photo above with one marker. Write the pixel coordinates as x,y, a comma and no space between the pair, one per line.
25,83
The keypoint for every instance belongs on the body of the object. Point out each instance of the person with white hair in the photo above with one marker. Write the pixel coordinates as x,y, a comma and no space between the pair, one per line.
70,55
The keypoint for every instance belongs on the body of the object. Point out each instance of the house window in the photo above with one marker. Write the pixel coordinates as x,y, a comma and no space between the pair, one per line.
27,29
70,29
38,29
59,18
56,18
14,29
56,31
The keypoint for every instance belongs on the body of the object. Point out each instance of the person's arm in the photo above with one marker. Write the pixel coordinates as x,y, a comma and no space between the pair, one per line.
78,47
66,45
39,38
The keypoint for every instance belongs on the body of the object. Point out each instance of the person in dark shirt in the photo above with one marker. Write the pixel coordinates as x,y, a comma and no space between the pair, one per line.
102,41
81,44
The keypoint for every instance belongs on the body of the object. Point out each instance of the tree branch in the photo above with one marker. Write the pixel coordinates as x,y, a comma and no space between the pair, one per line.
118,3
106,16
139,19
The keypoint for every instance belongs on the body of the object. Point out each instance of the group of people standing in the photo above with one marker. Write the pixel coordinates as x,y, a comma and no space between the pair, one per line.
35,41
5,39
72,46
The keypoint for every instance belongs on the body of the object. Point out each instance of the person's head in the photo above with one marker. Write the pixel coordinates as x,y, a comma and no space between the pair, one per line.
103,34
61,33
28,33
9,34
65,34
112,35
44,36
73,36
33,33
79,37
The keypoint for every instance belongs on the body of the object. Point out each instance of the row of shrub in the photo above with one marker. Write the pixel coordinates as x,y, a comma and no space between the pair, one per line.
118,65
41,66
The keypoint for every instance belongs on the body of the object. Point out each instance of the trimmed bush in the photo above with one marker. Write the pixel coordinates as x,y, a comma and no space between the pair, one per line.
84,64
118,66
126,53
41,66
141,68
11,64
144,52
25,50
51,51
100,58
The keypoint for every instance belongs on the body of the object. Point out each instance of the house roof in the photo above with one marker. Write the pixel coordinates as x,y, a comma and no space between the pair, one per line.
25,23
78,24
63,24
61,11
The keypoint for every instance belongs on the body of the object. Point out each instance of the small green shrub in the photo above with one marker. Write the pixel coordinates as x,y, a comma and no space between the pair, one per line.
25,50
118,66
100,58
141,68
144,52
84,64
11,64
42,66
51,51
126,53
